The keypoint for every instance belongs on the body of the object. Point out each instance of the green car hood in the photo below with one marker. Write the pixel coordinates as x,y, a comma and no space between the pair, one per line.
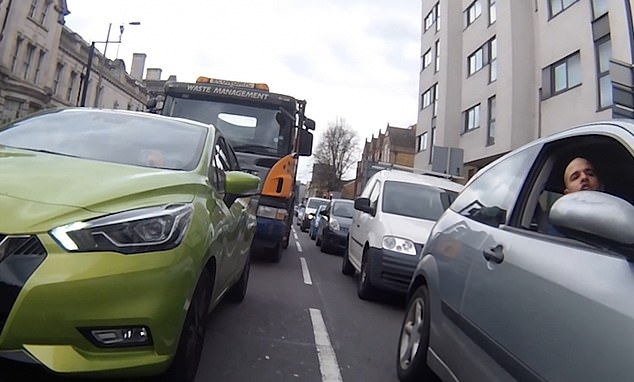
39,191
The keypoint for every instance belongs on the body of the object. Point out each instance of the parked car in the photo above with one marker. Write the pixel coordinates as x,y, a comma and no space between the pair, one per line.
334,224
394,215
314,224
309,212
300,214
120,232
498,295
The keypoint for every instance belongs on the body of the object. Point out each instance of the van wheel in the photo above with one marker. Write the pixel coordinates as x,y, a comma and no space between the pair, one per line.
365,289
190,345
411,362
346,266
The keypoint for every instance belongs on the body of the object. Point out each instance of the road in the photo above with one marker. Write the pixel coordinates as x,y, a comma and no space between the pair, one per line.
300,321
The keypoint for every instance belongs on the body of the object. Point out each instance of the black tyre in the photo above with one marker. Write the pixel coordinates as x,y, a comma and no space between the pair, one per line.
324,245
276,255
239,290
411,357
190,345
317,239
365,289
346,266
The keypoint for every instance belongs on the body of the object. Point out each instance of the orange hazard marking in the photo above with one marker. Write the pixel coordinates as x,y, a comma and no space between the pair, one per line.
282,170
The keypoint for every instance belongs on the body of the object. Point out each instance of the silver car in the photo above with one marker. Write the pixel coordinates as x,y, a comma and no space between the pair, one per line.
522,279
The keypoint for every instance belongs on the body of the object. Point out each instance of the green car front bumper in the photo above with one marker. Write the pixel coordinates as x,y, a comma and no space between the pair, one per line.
54,299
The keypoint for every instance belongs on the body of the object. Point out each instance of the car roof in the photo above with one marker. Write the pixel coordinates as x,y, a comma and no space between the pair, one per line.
409,177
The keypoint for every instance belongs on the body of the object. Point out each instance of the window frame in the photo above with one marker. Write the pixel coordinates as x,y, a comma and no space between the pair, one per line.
475,112
553,73
472,12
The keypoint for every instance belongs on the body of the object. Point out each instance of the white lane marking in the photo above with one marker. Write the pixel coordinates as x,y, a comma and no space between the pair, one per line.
299,246
305,273
295,236
327,357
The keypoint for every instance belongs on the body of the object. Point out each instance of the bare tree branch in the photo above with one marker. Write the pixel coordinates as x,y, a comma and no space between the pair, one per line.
336,152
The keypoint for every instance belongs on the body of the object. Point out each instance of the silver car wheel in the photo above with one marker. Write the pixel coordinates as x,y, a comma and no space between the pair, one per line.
411,333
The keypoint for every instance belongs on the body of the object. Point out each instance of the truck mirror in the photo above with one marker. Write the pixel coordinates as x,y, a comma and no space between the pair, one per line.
305,143
309,123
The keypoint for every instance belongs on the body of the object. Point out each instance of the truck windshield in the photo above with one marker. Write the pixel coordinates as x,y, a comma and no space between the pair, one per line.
249,129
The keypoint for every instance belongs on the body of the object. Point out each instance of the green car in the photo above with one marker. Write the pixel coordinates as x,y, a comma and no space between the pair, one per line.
119,232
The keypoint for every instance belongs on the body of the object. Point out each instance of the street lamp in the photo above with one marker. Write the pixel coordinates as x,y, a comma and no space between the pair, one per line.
91,54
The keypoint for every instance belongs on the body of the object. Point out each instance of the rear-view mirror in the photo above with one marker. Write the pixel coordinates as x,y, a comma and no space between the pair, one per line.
305,148
363,204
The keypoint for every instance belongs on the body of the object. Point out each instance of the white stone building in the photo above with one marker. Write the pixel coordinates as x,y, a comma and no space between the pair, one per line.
43,62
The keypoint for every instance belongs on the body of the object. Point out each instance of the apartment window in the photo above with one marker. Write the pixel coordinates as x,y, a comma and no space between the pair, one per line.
435,110
566,73
429,96
422,143
472,118
604,54
473,12
493,62
44,11
558,6
28,60
38,68
33,8
431,18
58,77
437,52
427,59
16,53
71,85
433,139
476,61
493,14
491,121
599,8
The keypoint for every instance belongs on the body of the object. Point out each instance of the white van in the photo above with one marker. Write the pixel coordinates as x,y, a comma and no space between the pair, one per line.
392,220
309,212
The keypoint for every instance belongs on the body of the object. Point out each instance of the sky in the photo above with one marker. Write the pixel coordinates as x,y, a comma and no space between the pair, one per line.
357,60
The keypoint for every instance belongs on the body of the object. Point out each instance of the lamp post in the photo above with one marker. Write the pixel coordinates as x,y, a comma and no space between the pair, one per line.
91,54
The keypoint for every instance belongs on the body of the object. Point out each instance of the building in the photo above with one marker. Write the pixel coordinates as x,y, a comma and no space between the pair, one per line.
43,63
396,146
496,74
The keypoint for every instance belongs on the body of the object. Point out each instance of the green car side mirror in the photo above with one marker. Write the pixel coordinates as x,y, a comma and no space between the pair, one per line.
239,183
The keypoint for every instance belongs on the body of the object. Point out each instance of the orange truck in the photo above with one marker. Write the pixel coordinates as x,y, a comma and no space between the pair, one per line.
268,132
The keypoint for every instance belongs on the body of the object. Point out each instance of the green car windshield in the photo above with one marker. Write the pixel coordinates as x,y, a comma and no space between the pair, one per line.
118,137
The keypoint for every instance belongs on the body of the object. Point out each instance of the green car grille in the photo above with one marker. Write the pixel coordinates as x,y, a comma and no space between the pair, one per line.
19,258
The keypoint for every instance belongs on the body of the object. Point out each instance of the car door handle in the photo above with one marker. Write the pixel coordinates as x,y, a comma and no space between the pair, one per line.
495,254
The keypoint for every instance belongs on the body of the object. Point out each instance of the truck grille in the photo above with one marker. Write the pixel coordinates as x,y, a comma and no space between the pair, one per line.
19,258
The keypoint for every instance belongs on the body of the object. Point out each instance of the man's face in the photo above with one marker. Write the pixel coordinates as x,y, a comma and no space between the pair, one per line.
580,175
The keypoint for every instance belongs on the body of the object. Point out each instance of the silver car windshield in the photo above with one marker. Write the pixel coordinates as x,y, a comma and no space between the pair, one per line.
416,200
115,137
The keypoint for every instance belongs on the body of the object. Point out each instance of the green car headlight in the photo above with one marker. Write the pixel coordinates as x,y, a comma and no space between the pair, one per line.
142,230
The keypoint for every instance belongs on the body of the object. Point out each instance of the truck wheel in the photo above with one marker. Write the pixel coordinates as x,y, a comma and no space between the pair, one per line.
276,255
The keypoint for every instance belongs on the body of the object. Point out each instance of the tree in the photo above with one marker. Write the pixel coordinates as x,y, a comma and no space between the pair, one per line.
336,153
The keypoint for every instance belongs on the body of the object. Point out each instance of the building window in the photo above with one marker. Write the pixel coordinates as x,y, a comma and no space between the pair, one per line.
33,8
422,143
431,18
44,11
566,73
493,14
604,54
16,53
433,139
473,12
476,61
28,60
558,6
491,121
38,68
11,110
472,118
493,55
427,59
599,8
71,86
437,49
58,77
429,96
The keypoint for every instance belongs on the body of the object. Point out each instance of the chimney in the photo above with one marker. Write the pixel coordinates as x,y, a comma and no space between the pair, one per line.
153,74
138,64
